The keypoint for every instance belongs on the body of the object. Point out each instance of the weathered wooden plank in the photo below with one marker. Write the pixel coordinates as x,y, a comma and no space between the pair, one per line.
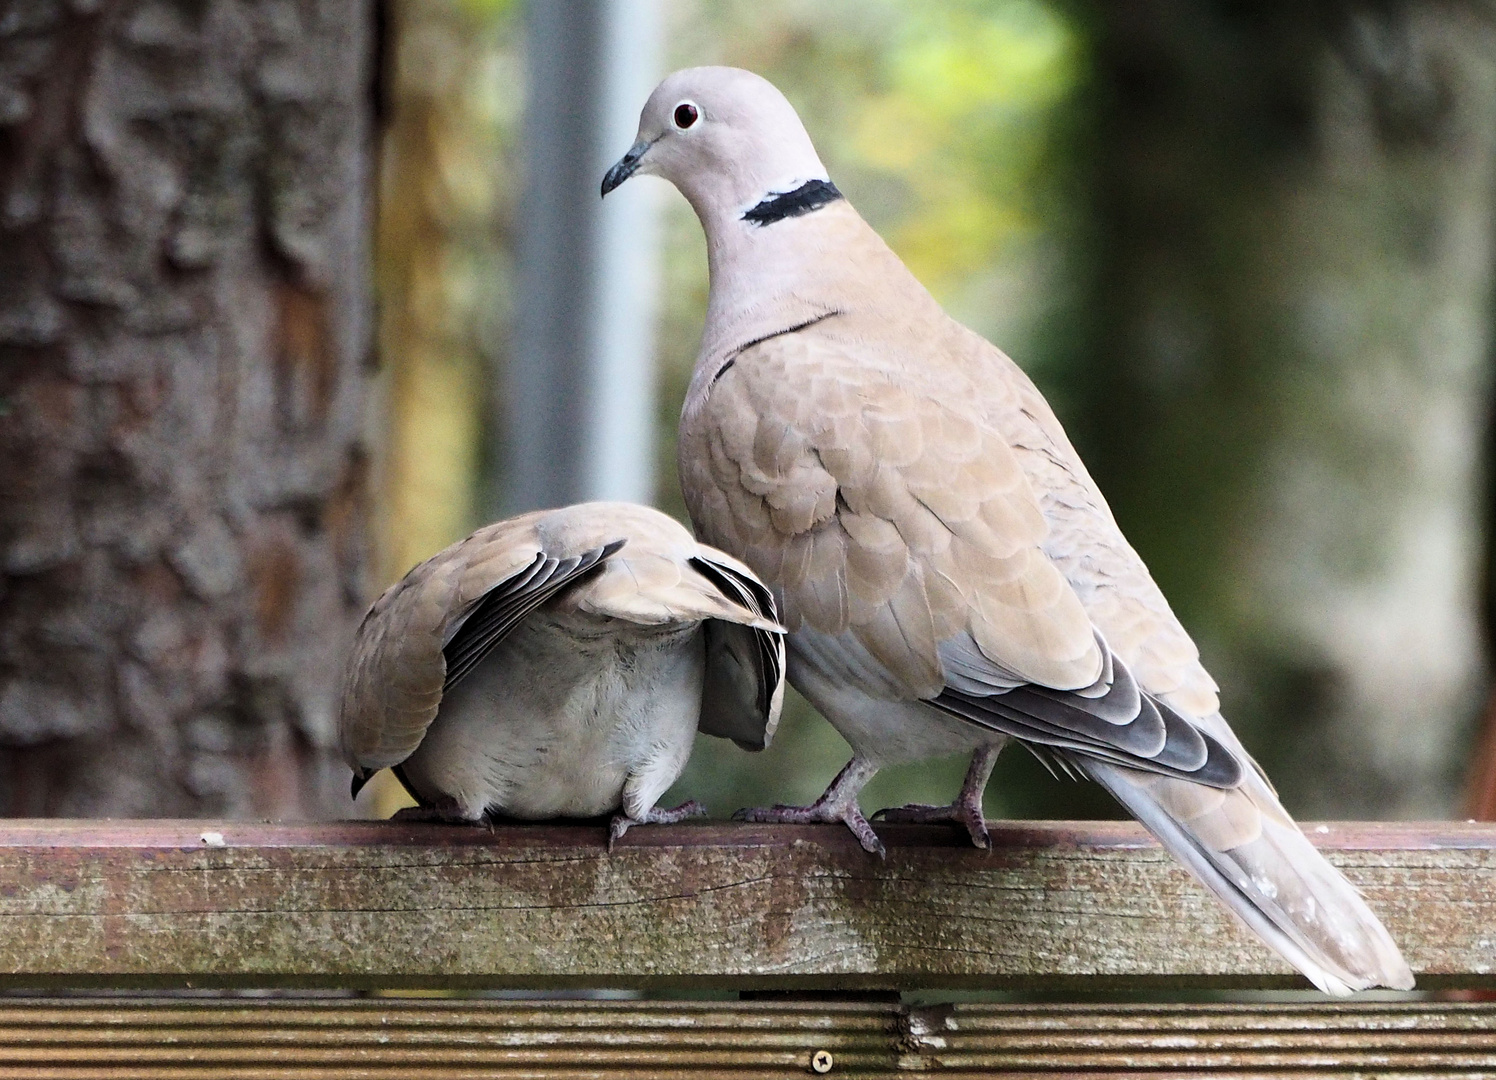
341,1039
741,906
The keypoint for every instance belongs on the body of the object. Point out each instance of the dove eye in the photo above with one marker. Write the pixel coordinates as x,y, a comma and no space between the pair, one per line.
686,114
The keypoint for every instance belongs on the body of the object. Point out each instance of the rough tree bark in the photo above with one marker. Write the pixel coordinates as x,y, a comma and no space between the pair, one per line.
184,335
1290,403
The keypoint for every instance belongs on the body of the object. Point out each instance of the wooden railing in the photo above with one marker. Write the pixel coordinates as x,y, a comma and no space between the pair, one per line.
800,914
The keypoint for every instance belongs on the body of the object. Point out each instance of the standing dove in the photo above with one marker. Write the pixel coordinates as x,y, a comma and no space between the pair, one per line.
559,664
950,575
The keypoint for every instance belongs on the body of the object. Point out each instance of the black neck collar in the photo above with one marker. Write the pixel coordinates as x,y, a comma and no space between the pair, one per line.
811,195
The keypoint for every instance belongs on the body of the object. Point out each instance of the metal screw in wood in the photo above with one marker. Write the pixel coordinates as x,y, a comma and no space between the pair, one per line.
821,1061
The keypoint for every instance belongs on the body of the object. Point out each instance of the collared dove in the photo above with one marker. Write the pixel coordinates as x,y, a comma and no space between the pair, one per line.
950,575
559,664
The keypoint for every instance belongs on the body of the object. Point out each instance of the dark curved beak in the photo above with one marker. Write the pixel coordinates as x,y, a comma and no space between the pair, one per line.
360,778
626,167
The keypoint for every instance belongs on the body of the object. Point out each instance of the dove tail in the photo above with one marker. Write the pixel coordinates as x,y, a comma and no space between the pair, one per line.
1242,845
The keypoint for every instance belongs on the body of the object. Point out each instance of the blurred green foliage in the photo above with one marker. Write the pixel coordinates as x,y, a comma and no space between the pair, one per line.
448,184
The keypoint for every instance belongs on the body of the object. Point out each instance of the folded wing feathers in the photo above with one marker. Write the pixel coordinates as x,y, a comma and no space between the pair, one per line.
1122,725
1150,743
395,676
1186,747
744,688
767,637
502,608
925,539
679,582
1115,700
1144,734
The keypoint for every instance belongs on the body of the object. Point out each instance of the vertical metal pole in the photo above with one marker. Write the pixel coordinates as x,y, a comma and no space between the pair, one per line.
621,458
580,391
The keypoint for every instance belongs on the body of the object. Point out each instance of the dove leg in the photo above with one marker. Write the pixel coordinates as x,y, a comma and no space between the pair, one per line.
654,775
838,803
621,823
966,810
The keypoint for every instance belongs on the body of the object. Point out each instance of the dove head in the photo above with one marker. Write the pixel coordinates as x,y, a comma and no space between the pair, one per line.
727,139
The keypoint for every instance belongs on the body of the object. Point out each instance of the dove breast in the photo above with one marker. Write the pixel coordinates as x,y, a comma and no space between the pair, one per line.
595,705
560,664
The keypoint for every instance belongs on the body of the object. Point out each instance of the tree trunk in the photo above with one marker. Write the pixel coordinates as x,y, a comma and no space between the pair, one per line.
1290,404
184,336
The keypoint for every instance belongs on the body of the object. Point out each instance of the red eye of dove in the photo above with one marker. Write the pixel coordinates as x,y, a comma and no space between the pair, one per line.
685,115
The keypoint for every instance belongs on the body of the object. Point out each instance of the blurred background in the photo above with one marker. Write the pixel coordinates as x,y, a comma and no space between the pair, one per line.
1246,250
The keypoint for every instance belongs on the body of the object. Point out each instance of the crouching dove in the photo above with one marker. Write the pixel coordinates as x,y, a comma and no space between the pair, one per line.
559,664
949,573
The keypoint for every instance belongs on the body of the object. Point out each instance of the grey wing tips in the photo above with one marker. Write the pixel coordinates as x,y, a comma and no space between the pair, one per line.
1123,726
739,654
503,607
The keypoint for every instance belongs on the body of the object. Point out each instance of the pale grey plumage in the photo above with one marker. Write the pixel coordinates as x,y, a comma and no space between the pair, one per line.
949,573
560,664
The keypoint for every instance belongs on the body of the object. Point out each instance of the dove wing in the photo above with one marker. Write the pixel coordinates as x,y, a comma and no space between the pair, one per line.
431,628
1085,543
883,512
664,576
744,689
894,517
1235,837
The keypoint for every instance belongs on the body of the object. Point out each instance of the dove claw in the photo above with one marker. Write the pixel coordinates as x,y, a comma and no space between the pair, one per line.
966,810
444,811
960,812
820,812
621,822
865,834
781,814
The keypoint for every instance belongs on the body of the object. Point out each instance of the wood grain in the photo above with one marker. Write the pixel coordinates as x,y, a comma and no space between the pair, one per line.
379,904
344,1039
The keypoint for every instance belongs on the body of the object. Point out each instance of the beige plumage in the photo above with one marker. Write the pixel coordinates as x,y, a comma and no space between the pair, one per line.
559,664
949,573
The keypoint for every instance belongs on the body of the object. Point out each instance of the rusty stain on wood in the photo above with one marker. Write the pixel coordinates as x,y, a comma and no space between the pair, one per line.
1480,783
306,359
275,574
443,1040
380,904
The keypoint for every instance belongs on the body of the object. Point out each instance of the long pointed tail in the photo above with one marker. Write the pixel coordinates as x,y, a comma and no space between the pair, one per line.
1245,848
